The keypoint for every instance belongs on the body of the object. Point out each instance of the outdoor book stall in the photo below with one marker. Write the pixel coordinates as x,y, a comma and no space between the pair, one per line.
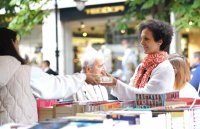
156,111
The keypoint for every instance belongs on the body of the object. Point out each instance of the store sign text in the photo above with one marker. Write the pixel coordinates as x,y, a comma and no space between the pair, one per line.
105,10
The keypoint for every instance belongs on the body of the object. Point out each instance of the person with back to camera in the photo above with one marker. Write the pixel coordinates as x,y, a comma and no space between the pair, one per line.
46,67
19,83
155,74
182,76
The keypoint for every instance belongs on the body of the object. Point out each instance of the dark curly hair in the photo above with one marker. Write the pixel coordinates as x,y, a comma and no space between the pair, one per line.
7,48
160,30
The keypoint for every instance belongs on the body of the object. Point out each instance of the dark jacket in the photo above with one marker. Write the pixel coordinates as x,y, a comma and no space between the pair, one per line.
195,74
50,71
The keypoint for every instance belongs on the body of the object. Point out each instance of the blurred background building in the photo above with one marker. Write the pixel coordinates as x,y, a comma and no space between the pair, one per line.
94,25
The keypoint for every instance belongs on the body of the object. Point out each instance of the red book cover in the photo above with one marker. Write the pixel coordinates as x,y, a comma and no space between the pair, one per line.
189,101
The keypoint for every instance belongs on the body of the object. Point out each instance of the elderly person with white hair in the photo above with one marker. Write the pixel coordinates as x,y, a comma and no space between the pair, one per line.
92,63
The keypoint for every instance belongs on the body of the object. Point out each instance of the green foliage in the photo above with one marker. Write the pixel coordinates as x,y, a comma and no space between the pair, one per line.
185,10
9,10
20,14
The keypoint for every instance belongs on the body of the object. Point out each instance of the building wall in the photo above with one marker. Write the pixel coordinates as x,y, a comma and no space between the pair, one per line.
194,42
49,42
68,49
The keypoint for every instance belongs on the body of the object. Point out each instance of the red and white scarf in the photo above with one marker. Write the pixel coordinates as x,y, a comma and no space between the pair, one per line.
148,64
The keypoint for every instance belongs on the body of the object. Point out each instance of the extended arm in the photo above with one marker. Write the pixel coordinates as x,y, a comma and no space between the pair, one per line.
47,86
161,80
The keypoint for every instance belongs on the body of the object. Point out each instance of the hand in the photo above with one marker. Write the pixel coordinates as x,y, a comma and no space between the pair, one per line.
114,80
90,79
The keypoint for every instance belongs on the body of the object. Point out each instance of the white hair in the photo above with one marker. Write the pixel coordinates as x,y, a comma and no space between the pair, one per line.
89,57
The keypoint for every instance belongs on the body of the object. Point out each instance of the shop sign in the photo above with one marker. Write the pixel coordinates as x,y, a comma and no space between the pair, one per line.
105,10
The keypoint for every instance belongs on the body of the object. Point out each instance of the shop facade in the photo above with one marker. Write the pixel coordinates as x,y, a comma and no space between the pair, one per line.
94,25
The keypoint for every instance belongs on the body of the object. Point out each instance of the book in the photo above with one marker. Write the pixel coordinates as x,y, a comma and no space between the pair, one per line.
52,124
153,100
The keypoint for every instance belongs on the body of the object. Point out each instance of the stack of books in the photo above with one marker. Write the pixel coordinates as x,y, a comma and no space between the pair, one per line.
71,108
132,117
153,100
179,118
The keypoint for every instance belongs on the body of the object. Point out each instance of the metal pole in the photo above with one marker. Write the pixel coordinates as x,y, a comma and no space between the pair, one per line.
57,51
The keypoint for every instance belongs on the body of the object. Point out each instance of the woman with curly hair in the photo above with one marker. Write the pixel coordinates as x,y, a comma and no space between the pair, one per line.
155,74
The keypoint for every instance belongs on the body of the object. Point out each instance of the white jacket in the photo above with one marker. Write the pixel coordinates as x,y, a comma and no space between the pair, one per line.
17,103
188,91
91,93
161,80
19,82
